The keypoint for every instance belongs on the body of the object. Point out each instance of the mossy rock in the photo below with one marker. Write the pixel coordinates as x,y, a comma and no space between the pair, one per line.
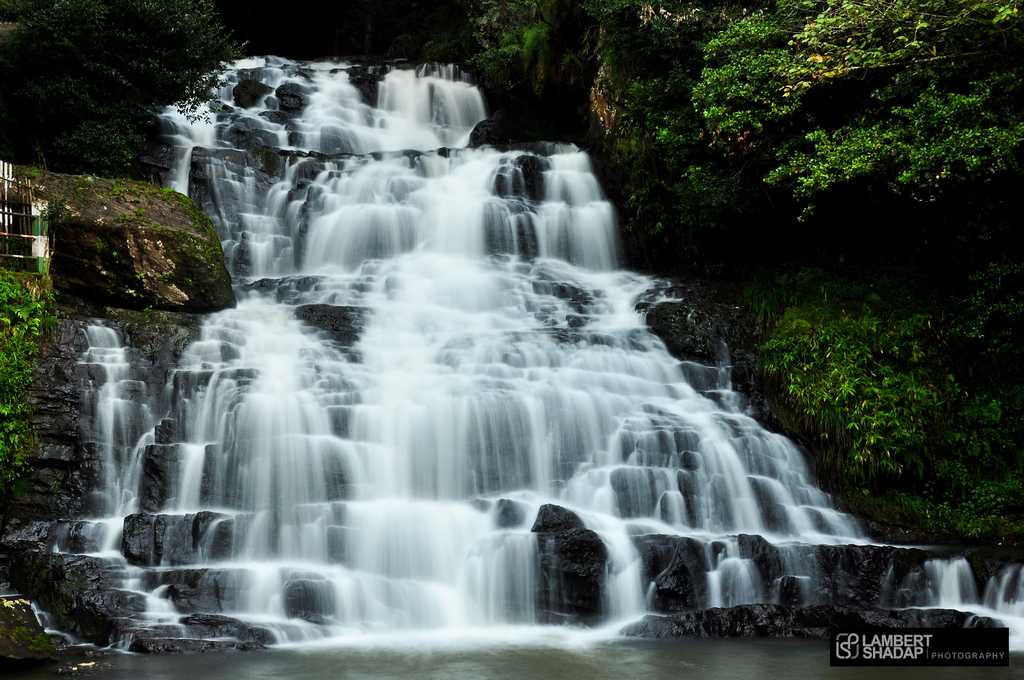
132,244
22,640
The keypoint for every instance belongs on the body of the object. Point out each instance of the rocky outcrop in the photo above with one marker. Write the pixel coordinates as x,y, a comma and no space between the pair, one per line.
133,245
65,463
80,593
776,621
707,323
22,640
573,562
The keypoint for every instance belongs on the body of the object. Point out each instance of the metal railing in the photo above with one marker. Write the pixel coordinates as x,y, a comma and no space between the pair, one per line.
24,232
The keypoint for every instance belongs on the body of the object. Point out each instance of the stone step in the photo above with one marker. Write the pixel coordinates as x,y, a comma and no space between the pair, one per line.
777,621
792,574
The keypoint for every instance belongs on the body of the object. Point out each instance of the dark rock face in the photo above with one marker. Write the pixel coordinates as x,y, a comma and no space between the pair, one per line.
709,324
159,467
344,324
492,131
64,466
201,590
768,620
22,641
248,93
80,593
686,330
151,540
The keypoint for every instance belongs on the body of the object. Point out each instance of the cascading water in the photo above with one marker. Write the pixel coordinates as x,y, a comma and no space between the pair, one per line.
432,344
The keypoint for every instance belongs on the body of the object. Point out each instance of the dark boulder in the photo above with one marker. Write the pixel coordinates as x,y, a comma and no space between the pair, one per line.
133,245
573,564
248,93
291,97
555,518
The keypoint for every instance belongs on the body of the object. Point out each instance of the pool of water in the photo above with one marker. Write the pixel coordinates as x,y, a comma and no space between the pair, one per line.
708,660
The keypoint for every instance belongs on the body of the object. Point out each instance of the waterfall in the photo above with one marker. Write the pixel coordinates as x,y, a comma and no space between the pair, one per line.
433,344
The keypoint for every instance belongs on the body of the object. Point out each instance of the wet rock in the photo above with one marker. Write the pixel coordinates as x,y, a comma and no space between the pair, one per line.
28,536
291,97
688,332
343,324
248,93
189,646
509,513
677,568
151,540
156,162
22,641
366,78
555,518
247,133
311,599
201,590
80,593
856,575
776,621
492,131
159,469
573,563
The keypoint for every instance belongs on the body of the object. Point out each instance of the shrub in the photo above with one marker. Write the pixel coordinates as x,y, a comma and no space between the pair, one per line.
25,315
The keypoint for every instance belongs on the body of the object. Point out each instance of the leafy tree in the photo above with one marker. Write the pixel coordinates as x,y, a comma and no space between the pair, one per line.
83,77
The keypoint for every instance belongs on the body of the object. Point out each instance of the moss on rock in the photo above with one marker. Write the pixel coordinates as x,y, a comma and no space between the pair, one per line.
132,244
22,640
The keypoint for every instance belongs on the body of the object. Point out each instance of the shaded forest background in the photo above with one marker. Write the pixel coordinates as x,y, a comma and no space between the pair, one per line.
855,166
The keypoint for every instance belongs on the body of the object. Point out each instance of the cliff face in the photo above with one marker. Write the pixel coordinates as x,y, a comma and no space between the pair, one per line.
136,259
133,245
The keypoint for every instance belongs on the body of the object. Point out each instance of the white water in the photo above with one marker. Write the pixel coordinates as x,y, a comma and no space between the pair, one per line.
502,358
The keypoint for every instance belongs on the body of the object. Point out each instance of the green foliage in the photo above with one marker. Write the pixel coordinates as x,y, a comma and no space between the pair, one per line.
25,315
83,77
540,42
876,375
918,98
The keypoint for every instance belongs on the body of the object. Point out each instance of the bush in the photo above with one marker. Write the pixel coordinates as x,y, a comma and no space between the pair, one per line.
916,399
25,315
84,77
